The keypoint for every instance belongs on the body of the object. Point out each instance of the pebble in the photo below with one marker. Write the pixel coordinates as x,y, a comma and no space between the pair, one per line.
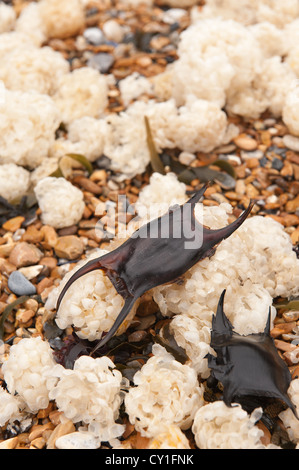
291,142
292,205
251,191
228,148
20,285
101,62
78,440
88,185
69,247
113,31
277,164
173,15
63,428
158,42
186,158
8,246
32,235
38,443
39,429
295,236
6,267
137,336
50,236
252,163
13,224
245,142
23,316
9,443
279,329
30,272
248,155
25,254
240,187
146,322
18,234
219,198
94,36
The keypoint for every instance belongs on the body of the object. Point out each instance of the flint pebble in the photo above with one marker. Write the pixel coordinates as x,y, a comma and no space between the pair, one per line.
20,285
101,62
94,36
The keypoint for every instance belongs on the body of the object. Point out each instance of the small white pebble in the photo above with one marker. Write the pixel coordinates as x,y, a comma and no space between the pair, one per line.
186,158
78,440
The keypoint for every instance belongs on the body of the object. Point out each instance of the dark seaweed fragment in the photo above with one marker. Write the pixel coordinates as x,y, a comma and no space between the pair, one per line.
247,366
26,208
167,340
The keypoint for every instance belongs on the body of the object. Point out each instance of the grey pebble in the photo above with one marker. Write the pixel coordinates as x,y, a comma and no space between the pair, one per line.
19,285
101,62
94,36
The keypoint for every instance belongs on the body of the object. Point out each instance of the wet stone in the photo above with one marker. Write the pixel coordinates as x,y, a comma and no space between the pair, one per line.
25,254
69,247
101,62
277,164
78,440
13,224
94,36
30,272
291,142
137,336
20,285
245,142
263,161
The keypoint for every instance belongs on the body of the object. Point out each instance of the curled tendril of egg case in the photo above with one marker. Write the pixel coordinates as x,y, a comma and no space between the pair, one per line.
247,366
157,253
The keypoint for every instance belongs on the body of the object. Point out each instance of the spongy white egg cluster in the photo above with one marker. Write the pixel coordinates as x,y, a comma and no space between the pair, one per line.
33,68
24,371
62,19
199,125
7,18
162,192
60,201
27,128
288,418
133,86
225,60
251,12
217,426
31,24
82,92
90,393
91,304
14,182
86,136
290,112
166,392
10,406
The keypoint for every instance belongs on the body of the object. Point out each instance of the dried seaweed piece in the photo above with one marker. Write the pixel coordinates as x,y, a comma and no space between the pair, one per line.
247,366
167,340
27,208
64,164
187,173
156,162
157,253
